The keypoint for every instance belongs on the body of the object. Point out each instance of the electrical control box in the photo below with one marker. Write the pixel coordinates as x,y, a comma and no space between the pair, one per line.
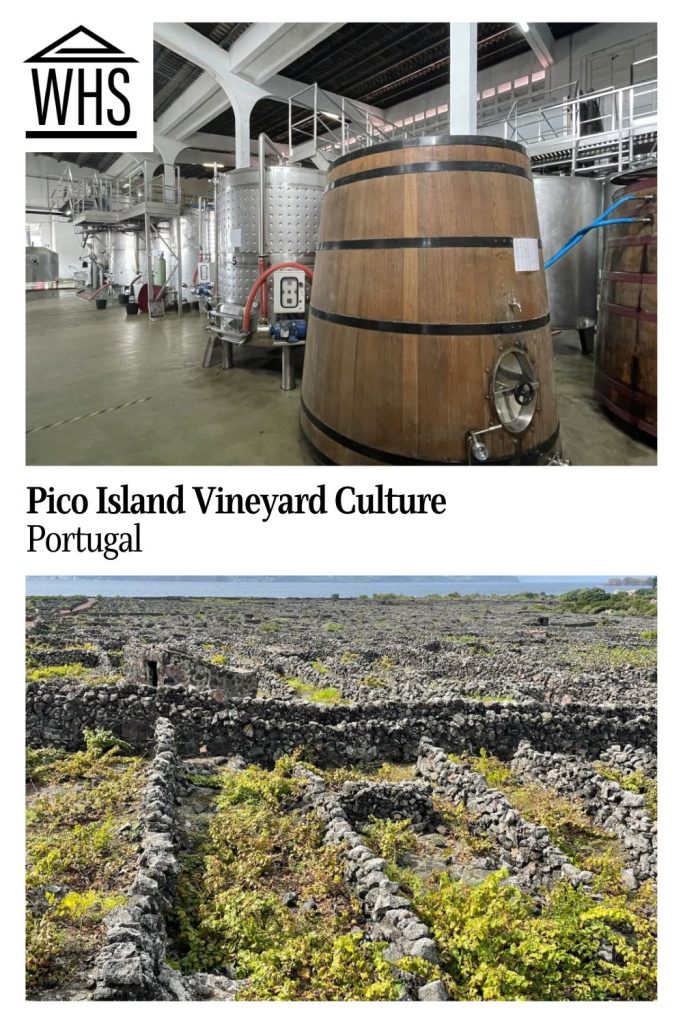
289,291
206,272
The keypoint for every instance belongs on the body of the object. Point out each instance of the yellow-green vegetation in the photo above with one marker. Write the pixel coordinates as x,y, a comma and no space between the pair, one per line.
385,772
348,658
320,666
230,915
570,828
81,852
317,694
219,659
43,673
486,698
374,682
495,944
74,670
473,644
648,634
390,839
333,627
604,656
461,831
269,627
635,782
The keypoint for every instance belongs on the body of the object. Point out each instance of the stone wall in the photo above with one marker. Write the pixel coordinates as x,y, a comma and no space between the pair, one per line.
262,730
397,801
393,920
524,848
628,759
605,802
130,965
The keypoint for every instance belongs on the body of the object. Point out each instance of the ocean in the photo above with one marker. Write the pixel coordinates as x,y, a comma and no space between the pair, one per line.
305,586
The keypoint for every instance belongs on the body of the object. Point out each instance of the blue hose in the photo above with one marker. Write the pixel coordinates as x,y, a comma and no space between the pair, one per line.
599,222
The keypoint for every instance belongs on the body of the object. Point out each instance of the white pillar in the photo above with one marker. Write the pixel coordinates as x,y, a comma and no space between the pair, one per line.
462,104
242,108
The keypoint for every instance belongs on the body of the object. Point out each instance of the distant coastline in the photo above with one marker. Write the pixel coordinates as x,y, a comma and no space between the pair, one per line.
311,586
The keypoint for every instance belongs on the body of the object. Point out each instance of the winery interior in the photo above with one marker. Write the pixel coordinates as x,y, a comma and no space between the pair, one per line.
357,244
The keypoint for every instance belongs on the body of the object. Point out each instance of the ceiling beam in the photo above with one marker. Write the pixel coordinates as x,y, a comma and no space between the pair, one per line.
268,47
206,97
541,41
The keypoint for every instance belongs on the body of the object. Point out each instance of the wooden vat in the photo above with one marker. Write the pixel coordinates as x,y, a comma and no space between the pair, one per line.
626,350
423,327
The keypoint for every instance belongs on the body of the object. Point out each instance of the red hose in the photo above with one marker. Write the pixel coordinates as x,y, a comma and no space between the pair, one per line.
263,298
259,281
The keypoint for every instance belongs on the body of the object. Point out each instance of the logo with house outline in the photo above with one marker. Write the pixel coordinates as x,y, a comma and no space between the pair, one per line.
82,87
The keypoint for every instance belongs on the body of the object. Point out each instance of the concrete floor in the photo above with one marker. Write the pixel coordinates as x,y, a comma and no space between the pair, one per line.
81,361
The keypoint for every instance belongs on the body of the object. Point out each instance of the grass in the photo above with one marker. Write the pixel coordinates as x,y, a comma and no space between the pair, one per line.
320,666
375,772
317,694
333,627
75,670
603,656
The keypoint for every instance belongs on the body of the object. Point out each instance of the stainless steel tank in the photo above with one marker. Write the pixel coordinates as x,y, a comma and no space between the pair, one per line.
42,267
196,241
293,197
124,261
564,205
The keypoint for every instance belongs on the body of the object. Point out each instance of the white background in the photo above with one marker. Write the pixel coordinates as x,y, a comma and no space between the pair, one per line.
514,520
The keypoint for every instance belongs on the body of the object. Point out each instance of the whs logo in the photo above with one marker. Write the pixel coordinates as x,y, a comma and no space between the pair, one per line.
83,87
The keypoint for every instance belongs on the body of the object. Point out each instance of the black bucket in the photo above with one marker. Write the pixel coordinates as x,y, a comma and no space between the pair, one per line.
101,303
132,308
123,298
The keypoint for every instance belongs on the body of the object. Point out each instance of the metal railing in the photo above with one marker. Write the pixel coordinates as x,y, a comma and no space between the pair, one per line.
611,119
335,126
109,194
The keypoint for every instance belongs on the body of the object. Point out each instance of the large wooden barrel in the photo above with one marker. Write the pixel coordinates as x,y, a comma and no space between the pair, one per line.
626,350
423,325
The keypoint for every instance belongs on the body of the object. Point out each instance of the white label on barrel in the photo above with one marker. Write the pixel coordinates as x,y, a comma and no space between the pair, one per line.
236,237
526,253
